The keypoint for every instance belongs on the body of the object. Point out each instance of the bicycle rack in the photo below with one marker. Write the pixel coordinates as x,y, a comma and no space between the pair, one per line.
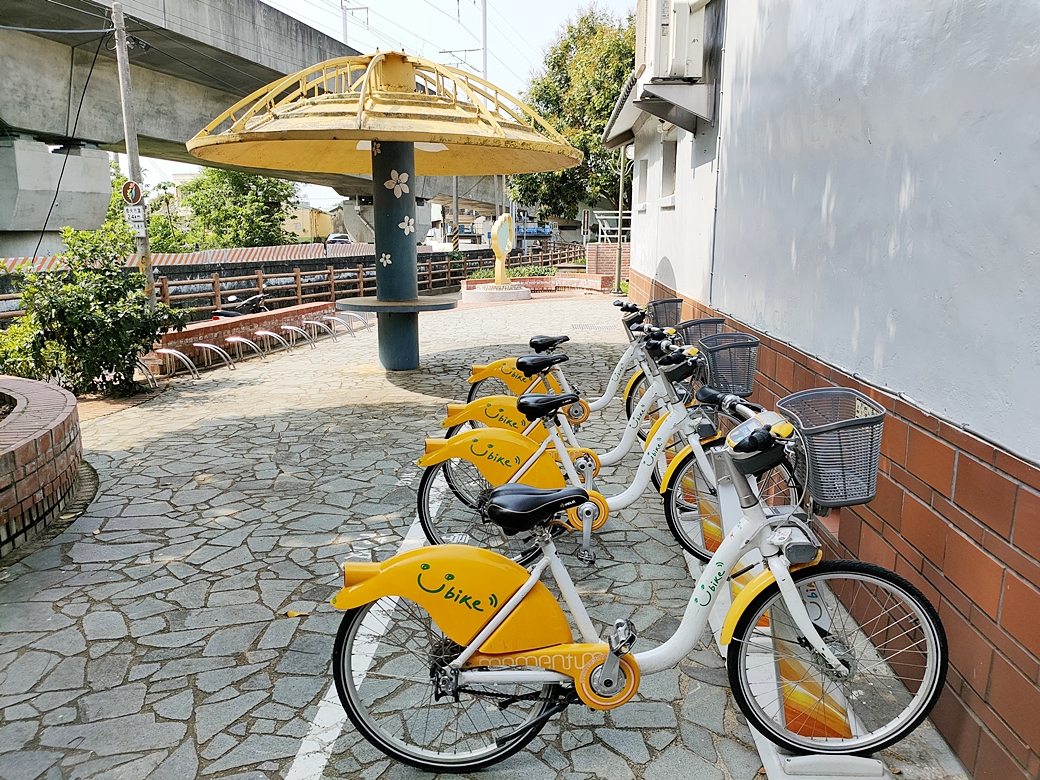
300,331
353,316
323,326
240,340
224,356
153,383
337,321
183,358
276,337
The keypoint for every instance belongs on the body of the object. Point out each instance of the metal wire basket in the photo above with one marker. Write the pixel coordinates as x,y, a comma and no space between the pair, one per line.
693,331
841,431
665,312
731,361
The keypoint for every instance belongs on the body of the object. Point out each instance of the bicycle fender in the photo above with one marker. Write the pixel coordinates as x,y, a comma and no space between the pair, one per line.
462,588
632,382
497,454
743,599
506,371
494,411
669,472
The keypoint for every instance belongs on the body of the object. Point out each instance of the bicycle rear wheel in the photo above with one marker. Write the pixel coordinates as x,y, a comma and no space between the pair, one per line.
879,626
485,387
386,661
450,497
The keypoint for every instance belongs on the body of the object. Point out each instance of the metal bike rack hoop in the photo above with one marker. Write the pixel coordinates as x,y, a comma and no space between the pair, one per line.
300,331
337,321
323,326
223,355
241,340
184,359
276,337
148,375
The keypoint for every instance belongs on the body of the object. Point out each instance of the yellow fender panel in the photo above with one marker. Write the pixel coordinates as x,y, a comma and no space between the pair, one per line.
506,371
632,382
669,472
494,411
497,454
653,429
747,595
462,588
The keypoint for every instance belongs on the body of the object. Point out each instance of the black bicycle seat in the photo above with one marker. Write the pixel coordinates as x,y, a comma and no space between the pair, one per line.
530,365
535,405
516,508
541,344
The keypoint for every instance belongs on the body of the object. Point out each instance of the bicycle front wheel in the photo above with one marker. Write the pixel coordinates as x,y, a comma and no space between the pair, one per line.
485,387
387,660
451,495
881,628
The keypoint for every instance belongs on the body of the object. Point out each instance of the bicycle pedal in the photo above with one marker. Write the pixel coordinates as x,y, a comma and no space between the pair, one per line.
624,636
587,557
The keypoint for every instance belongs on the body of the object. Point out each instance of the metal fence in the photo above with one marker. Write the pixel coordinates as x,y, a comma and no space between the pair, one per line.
298,287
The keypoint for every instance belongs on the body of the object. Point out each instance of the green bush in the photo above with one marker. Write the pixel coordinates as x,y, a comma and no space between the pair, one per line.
521,270
86,326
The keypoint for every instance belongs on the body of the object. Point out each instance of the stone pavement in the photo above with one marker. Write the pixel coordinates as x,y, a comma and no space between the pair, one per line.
181,628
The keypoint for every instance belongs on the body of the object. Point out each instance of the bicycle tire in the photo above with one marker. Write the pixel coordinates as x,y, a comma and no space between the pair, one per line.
691,505
901,635
632,397
485,387
450,497
384,659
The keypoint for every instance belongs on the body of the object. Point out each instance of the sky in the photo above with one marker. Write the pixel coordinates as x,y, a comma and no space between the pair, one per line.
517,35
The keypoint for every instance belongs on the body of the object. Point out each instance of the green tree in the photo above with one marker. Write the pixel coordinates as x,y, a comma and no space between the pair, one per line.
164,231
585,70
232,209
86,326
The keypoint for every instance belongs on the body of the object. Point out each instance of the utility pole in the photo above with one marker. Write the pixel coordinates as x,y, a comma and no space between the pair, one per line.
455,211
344,9
144,255
483,39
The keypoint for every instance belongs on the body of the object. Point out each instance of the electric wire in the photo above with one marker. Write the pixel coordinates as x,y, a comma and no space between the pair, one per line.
68,147
62,32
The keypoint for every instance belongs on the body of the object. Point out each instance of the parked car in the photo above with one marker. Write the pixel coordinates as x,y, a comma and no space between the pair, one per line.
339,238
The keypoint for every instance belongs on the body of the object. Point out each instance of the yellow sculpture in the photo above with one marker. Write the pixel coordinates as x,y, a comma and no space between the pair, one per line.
502,243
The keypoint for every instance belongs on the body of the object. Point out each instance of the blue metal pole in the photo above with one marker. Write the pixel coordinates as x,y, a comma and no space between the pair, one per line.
393,199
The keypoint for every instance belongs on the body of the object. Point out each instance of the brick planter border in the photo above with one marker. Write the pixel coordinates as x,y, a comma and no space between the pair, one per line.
557,283
40,450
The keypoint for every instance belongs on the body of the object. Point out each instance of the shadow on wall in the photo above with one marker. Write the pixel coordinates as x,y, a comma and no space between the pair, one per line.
664,276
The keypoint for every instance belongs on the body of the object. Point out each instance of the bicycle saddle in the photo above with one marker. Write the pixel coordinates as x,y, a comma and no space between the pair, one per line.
516,508
530,365
536,405
542,343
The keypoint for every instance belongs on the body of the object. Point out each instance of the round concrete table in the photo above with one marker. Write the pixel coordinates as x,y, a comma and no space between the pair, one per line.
398,325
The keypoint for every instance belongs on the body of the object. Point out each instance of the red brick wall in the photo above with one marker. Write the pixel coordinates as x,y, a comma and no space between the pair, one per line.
960,518
40,450
602,259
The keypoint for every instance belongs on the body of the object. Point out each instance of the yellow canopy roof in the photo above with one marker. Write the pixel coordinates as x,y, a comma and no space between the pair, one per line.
325,119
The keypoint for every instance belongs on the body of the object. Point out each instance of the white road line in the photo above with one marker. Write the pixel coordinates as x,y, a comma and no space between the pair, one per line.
313,755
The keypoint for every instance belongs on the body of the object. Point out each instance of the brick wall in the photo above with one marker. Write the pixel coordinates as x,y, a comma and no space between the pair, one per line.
557,283
40,450
960,518
602,259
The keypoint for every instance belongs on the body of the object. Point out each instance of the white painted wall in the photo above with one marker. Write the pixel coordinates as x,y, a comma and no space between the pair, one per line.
879,202
674,234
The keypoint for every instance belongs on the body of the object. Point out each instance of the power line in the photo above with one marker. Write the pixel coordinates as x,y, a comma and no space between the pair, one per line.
62,32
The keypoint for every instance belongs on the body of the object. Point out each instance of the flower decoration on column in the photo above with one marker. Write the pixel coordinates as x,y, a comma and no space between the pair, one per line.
385,260
408,226
397,182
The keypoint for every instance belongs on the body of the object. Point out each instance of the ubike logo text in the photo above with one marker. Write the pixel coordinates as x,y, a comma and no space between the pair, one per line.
651,454
559,662
490,454
450,593
706,591
511,371
501,416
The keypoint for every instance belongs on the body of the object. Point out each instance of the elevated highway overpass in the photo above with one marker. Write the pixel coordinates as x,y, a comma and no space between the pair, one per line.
195,59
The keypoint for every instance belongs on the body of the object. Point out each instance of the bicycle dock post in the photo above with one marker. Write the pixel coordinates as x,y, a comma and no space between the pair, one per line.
778,765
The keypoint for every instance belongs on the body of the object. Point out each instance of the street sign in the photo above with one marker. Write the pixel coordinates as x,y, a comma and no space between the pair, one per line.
140,229
134,213
585,222
132,193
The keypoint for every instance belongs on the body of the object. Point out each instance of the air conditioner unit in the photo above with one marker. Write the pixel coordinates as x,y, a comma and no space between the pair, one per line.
670,39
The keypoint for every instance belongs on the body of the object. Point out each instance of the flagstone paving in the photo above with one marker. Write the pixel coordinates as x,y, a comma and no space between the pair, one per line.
181,628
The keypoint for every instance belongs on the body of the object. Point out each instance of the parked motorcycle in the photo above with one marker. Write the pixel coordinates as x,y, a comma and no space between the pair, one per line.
236,308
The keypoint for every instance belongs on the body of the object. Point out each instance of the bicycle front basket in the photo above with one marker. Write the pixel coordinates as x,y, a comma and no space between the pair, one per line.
841,429
731,361
665,312
693,331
